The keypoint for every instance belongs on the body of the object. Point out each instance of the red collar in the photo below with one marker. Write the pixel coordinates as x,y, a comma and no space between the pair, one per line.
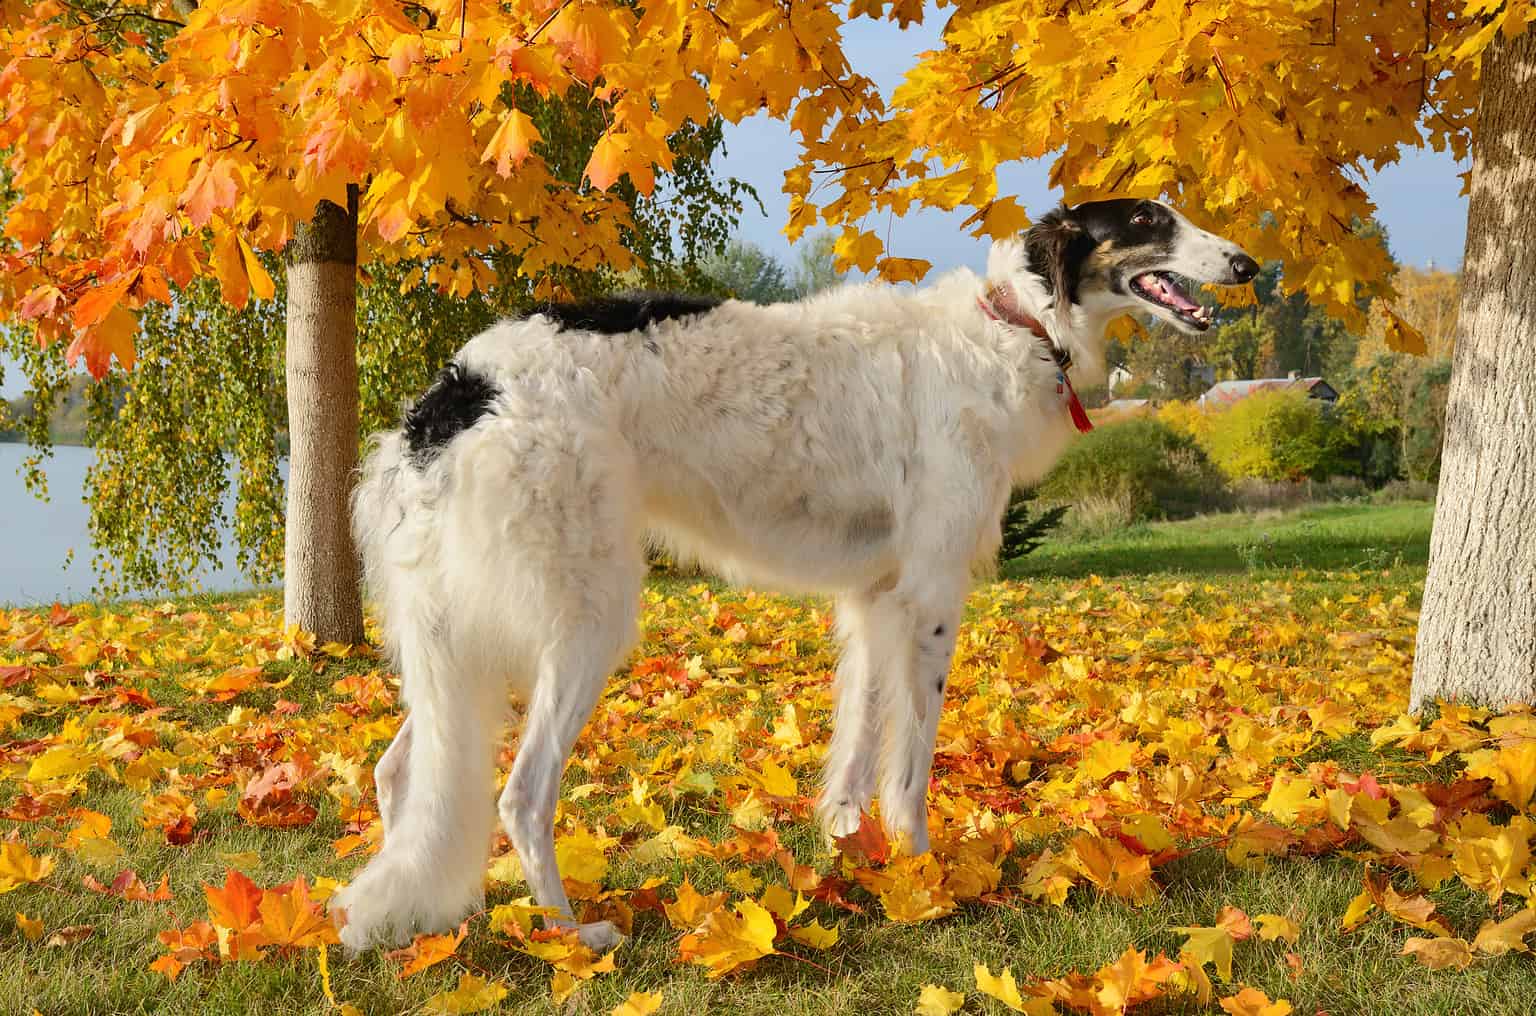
998,303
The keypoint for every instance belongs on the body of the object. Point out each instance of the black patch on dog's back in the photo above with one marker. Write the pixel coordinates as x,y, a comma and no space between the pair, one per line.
628,312
456,399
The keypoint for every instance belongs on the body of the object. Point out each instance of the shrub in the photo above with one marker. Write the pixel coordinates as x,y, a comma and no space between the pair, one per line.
1144,467
1273,435
1024,530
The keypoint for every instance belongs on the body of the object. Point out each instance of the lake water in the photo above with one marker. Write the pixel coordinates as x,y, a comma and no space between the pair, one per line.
37,537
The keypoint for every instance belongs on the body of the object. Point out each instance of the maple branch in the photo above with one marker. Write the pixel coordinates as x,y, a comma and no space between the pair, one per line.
1334,41
1115,187
855,165
88,18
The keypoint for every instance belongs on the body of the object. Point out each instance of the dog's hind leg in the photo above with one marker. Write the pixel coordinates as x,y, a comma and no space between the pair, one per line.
570,675
390,776
850,766
429,874
913,698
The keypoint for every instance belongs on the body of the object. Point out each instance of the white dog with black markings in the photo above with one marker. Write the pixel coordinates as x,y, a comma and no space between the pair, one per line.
861,443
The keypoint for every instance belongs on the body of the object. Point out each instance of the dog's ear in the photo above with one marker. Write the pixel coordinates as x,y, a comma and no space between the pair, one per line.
1055,249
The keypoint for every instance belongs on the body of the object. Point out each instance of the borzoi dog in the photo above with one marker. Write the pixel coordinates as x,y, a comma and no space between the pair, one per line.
860,443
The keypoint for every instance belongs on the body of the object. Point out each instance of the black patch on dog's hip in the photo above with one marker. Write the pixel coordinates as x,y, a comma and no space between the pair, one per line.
454,402
628,312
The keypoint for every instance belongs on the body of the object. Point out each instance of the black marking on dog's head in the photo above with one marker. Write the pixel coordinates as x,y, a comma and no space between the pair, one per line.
1055,249
627,312
454,402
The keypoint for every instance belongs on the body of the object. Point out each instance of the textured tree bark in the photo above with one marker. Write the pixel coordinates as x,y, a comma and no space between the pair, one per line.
321,574
1477,634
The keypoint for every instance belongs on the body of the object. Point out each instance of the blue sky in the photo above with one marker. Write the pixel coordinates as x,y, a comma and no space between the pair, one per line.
1418,199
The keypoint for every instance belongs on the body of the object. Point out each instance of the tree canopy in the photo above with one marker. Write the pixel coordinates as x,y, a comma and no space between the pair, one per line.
149,149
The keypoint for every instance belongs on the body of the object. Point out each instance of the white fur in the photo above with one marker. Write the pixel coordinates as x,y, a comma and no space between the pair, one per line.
861,443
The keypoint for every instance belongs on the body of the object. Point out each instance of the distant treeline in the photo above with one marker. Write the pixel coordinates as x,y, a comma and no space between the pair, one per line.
66,424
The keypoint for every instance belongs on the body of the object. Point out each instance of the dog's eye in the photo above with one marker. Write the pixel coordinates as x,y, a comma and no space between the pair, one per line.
1141,219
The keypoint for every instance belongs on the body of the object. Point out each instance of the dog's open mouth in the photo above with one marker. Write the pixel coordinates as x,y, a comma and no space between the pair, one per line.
1164,290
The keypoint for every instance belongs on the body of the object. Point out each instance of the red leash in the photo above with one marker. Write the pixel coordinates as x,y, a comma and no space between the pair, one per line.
1019,319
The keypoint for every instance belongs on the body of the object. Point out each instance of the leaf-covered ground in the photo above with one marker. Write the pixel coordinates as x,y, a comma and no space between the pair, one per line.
1152,795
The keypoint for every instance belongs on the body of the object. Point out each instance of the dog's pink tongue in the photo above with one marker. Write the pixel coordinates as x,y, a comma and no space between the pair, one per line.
1173,295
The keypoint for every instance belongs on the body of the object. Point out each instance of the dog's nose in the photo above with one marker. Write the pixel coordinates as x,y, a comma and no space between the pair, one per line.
1244,267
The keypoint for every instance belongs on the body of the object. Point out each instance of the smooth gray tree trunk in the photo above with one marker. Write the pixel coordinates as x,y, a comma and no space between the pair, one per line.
321,574
1477,631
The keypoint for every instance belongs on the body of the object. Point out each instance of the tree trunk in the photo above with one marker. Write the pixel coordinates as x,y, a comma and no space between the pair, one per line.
1477,635
321,573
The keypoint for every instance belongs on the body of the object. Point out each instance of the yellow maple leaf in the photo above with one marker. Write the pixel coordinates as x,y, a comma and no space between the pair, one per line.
1273,926
689,909
1253,1002
1508,935
582,855
934,1000
1210,945
640,1003
33,930
473,994
1401,337
1006,990
730,939
18,867
1512,769
1288,797
60,763
1440,953
814,935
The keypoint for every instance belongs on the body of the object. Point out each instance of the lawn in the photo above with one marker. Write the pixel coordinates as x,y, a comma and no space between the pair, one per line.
1336,537
1123,757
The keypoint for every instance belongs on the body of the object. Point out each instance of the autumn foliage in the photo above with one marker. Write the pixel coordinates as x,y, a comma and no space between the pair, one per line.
1094,739
147,150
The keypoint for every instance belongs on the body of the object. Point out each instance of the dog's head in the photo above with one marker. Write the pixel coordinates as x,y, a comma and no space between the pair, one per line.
1110,257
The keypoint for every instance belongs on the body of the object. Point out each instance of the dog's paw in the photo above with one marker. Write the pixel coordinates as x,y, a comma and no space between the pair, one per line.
391,899
841,817
599,936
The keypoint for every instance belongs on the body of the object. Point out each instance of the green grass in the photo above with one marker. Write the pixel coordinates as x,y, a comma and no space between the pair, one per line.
1324,537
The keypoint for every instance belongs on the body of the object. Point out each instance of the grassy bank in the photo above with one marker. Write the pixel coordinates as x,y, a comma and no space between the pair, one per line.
1322,537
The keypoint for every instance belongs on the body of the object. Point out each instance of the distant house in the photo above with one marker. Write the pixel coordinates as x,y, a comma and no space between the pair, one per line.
1128,407
1225,393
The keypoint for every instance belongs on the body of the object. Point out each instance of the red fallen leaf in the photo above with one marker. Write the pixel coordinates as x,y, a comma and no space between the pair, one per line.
282,707
180,832
10,677
278,811
27,808
60,617
754,846
71,935
1366,785
868,842
1450,800
129,886
831,890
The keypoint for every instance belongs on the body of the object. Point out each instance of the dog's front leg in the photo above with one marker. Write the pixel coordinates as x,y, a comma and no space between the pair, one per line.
560,705
914,699
849,780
